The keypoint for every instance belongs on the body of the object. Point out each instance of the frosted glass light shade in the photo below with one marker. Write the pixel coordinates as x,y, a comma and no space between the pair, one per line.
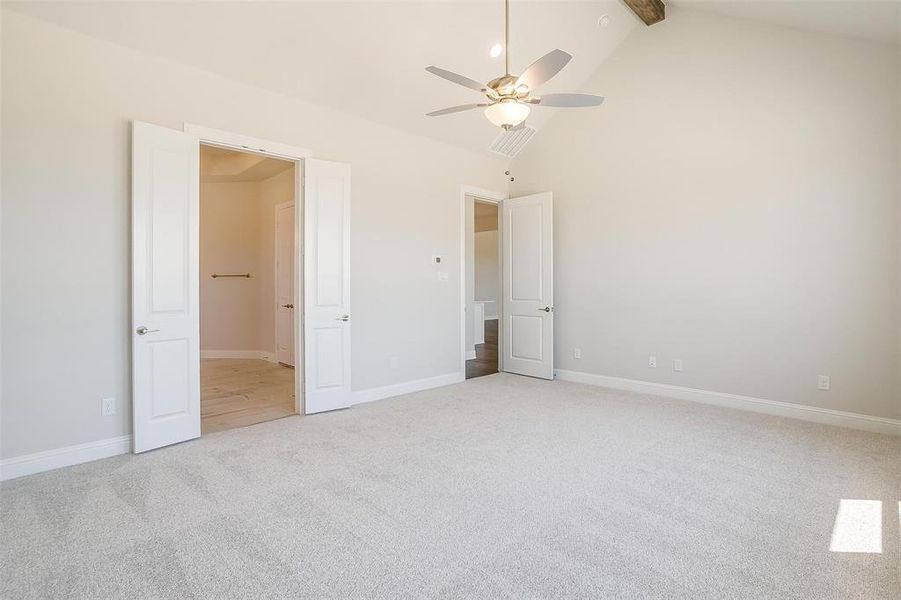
507,113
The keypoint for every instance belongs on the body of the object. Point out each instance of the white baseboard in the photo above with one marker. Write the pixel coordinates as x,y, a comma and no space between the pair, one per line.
254,354
38,462
407,387
769,407
470,354
48,460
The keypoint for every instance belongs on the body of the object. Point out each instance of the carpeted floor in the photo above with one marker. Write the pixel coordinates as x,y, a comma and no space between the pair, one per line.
500,487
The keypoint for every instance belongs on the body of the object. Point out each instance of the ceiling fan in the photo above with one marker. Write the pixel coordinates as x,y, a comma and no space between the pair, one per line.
509,97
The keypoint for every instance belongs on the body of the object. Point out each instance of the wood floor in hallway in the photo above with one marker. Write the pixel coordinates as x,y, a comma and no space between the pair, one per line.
485,362
241,392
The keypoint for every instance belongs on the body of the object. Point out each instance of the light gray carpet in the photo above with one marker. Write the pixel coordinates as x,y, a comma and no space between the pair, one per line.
501,487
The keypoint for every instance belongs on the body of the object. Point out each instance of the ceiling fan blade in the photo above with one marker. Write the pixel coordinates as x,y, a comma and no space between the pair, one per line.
568,100
458,79
544,68
453,109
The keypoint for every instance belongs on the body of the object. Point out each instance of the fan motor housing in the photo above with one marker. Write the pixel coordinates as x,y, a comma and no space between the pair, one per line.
505,86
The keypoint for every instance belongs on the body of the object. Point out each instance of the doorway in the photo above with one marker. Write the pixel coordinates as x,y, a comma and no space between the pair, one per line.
247,281
165,202
524,238
483,281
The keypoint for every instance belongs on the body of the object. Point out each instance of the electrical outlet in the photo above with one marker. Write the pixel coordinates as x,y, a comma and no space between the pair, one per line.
393,362
108,407
677,365
577,353
652,362
823,382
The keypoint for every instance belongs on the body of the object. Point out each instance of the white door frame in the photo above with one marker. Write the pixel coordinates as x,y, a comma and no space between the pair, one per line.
493,197
243,143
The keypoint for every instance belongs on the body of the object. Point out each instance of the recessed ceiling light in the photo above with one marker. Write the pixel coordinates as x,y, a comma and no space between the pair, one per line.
496,50
604,20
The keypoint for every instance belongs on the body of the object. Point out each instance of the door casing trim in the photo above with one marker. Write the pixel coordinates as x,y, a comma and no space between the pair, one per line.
494,197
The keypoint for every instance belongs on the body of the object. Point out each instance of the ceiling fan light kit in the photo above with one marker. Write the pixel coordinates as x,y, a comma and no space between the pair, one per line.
507,113
509,97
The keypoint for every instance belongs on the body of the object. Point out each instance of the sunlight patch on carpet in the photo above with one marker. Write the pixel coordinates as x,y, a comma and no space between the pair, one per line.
858,526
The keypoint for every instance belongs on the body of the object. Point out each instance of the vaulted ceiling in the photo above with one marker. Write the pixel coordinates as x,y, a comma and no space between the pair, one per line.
368,57
871,20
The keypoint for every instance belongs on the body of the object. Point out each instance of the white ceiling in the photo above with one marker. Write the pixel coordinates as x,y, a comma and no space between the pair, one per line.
368,57
220,165
873,20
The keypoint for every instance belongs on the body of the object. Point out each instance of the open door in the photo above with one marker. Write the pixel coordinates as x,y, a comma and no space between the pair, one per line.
284,283
326,292
528,313
165,286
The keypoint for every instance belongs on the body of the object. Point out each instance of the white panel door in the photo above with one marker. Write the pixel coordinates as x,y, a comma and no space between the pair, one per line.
284,283
165,306
528,234
326,286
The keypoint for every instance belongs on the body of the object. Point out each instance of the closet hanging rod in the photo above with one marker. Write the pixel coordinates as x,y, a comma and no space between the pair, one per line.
215,275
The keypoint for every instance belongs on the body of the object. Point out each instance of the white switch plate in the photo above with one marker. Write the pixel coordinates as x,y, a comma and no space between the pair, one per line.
823,382
652,362
108,407
577,353
677,365
436,259
442,276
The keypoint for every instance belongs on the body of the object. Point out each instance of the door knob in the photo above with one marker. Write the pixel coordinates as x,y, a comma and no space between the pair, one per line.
144,331
287,306
546,309
343,318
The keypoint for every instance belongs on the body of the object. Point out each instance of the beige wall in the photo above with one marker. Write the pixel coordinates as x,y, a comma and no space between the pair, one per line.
485,255
68,101
734,204
487,272
237,235
230,232
486,220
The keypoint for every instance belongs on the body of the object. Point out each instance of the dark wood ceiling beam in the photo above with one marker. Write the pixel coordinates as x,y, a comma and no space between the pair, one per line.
649,11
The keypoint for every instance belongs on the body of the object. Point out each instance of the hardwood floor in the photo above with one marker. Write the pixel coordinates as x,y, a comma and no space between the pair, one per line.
237,393
485,362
